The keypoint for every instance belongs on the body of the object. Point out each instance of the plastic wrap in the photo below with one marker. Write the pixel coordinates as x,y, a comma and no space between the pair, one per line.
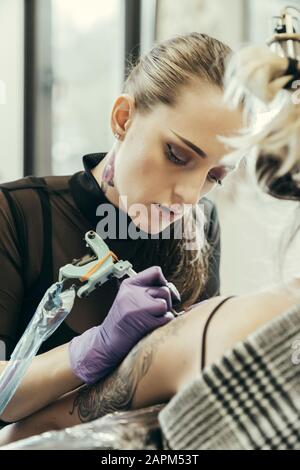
122,430
51,312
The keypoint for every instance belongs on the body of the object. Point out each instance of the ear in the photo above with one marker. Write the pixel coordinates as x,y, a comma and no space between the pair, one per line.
122,114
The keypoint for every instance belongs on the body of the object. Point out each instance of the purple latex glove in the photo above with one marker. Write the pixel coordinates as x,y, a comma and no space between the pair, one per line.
141,305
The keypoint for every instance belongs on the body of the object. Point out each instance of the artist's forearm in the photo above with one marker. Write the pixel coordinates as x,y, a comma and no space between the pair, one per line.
48,377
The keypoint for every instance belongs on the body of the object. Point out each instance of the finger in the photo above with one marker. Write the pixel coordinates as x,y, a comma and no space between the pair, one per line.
156,307
161,293
152,276
161,321
174,292
164,319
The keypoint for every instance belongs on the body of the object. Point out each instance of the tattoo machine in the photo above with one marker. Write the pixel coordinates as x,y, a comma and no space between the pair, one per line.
90,272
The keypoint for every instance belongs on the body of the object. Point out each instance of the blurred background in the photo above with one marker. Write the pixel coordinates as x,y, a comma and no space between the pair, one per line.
64,61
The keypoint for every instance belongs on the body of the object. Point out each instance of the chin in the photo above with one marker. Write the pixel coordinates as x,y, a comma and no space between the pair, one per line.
153,228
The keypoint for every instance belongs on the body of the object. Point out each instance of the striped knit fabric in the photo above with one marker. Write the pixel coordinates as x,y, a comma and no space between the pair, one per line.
249,399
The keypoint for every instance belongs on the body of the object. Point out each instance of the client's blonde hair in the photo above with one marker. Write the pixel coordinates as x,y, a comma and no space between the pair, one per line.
260,79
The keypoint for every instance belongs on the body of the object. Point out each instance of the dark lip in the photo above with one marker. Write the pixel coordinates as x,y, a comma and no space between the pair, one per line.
171,211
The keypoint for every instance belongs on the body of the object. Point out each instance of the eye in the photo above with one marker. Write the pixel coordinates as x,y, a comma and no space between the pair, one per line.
216,175
178,159
214,179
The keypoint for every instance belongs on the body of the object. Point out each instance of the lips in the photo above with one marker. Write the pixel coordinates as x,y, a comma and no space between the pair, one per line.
175,210
161,215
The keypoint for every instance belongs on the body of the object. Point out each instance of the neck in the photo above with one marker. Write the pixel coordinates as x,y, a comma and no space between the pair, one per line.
110,192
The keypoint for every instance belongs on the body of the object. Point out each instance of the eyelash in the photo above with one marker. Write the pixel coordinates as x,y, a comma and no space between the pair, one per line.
215,179
180,162
173,157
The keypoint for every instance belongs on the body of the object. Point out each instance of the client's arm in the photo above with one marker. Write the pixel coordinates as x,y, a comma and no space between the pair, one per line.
160,364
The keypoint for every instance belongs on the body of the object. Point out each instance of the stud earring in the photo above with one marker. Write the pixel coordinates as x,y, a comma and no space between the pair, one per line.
117,135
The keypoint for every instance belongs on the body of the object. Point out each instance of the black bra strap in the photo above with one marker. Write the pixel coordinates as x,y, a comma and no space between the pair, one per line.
203,346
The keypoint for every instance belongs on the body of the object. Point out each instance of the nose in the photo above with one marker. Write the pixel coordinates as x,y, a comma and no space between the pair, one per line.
189,190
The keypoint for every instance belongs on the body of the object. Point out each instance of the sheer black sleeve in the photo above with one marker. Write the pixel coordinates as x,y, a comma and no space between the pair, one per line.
11,282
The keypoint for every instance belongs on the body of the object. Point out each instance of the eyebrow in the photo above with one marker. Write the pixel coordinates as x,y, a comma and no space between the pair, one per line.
194,147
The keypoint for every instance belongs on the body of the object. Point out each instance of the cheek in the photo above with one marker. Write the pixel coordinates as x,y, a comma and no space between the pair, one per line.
135,177
125,175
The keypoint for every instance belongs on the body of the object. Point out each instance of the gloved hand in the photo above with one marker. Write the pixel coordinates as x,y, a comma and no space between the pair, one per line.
141,305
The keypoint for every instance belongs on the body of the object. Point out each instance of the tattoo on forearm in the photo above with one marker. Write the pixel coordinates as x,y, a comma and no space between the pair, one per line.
116,392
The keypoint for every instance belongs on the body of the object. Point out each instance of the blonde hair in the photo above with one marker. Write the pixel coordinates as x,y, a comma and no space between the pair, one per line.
159,77
261,80
265,81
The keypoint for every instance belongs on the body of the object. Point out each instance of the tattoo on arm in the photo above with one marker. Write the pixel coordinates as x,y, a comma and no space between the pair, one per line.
116,392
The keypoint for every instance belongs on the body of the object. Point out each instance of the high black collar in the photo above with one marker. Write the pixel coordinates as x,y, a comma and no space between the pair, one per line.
86,190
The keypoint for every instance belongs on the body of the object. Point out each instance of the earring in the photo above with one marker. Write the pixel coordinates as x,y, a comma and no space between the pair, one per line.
117,135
